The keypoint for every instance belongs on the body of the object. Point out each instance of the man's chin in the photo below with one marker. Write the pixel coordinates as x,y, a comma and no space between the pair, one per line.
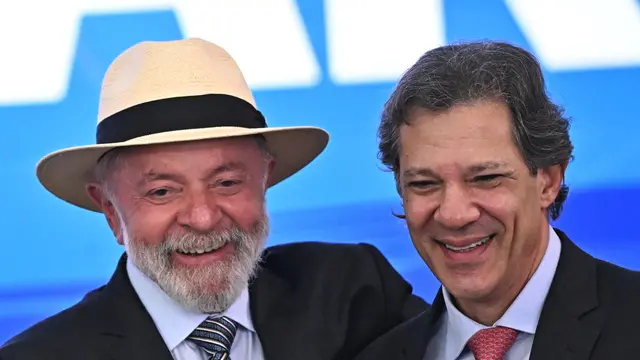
210,297
479,288
464,282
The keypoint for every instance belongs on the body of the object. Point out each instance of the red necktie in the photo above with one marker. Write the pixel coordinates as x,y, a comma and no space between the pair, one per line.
492,343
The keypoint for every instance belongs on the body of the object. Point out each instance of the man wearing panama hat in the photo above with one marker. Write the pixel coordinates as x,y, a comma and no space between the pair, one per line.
180,168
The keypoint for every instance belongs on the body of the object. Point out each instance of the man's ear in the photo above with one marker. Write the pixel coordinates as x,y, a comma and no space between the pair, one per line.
271,163
99,196
552,179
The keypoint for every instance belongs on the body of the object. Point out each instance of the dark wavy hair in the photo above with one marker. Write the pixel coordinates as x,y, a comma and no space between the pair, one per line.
483,70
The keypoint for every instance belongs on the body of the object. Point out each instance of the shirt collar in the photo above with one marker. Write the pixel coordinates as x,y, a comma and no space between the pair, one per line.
173,321
522,315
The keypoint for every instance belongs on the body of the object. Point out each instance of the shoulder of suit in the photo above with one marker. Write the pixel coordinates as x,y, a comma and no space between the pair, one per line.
312,253
613,281
613,277
618,294
54,333
308,259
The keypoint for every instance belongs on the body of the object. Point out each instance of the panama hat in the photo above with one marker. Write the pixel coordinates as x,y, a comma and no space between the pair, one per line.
173,91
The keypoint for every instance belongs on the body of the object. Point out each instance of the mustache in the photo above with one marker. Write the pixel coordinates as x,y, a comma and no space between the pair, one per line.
192,241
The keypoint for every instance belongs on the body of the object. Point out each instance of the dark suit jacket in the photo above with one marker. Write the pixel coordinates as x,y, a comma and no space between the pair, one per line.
310,301
591,312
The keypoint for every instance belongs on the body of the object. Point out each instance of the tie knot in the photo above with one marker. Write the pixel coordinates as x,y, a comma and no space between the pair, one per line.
215,336
492,343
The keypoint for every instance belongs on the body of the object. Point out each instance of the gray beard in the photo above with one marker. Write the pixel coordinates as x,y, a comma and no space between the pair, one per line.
206,289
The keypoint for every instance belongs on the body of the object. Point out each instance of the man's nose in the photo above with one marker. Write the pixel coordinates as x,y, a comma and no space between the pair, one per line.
201,213
456,208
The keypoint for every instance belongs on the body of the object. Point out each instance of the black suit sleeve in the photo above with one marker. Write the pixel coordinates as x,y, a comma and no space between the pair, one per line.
401,303
379,299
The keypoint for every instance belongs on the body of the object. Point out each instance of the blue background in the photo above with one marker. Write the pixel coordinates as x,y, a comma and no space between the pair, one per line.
53,253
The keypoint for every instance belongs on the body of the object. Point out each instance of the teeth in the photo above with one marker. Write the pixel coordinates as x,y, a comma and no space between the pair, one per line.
468,247
199,251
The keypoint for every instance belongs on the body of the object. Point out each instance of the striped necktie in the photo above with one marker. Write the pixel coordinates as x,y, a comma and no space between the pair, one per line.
215,336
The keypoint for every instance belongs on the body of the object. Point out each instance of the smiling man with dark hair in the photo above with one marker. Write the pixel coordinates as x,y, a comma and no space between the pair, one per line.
479,154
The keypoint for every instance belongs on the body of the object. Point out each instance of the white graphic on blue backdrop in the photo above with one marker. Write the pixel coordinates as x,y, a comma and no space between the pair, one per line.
329,63
271,43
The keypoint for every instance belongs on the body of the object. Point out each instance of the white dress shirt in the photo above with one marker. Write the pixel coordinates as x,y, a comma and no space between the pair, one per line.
175,323
455,329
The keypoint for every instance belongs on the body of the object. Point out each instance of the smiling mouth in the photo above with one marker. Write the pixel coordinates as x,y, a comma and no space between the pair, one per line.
201,251
469,247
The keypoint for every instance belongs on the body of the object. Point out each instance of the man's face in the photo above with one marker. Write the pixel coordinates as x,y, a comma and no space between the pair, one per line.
475,213
192,216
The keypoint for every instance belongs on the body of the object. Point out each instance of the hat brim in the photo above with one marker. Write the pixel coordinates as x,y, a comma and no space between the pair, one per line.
66,172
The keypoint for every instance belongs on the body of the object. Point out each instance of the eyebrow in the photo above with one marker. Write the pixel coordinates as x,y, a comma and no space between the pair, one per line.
489,165
153,175
473,169
225,167
415,172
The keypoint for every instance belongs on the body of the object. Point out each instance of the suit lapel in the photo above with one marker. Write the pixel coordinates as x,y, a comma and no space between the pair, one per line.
127,330
570,321
414,334
408,340
419,338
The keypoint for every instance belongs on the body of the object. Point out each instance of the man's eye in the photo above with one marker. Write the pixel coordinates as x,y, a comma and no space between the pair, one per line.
159,192
487,178
228,183
422,184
